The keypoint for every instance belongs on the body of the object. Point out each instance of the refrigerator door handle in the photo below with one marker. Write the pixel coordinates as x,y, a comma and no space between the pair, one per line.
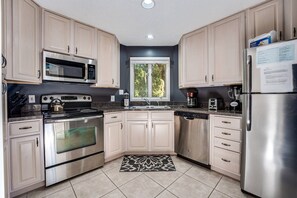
249,74
249,112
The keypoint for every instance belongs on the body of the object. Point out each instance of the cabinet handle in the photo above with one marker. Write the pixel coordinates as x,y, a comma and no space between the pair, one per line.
121,125
37,142
226,122
39,74
294,32
76,50
225,160
114,117
224,133
112,81
146,125
205,78
212,78
152,125
25,128
280,35
224,144
4,61
68,48
4,88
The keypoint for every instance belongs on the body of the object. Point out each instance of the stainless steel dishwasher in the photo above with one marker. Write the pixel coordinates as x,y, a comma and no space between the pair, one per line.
192,136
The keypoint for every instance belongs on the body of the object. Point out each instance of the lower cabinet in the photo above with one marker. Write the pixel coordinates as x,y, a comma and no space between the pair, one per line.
26,163
162,136
137,136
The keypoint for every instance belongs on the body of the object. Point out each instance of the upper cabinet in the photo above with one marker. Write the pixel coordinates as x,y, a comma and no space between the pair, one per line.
195,59
290,14
25,43
226,45
108,60
67,36
265,18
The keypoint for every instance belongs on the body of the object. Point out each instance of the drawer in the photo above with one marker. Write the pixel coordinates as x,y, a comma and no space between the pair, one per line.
227,144
137,115
227,160
113,117
20,128
162,115
228,134
227,122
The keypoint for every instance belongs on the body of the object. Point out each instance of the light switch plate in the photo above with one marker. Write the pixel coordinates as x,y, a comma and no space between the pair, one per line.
112,98
121,92
31,98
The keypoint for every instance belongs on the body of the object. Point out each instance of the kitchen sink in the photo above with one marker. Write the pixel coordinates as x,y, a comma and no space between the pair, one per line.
150,107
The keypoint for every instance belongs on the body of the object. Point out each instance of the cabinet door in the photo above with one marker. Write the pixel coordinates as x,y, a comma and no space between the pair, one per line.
180,64
106,59
84,40
264,18
162,136
137,132
226,50
290,7
113,139
26,162
26,42
195,62
56,33
116,66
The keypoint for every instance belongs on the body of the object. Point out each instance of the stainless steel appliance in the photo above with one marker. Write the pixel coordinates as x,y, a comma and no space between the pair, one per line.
73,138
65,68
215,104
234,95
192,99
192,136
269,157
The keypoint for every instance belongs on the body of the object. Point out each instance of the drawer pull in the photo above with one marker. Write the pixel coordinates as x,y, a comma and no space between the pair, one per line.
226,122
225,160
25,128
114,117
121,125
224,144
224,133
37,142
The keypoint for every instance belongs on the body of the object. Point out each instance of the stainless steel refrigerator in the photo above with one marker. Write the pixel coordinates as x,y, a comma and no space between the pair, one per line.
269,155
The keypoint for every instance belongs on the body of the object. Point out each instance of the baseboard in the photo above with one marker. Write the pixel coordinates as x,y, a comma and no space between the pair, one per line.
27,189
232,175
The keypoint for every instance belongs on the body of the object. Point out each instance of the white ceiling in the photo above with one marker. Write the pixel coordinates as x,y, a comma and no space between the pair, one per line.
167,21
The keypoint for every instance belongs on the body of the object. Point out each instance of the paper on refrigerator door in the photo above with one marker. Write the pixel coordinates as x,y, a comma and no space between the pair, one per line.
276,79
277,54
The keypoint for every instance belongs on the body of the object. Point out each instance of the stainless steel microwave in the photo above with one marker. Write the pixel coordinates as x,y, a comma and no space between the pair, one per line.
65,68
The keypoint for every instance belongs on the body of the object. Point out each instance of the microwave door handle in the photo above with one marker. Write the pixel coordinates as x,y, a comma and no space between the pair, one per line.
86,72
73,119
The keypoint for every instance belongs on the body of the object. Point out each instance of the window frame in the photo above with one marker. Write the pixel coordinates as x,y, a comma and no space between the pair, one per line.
150,61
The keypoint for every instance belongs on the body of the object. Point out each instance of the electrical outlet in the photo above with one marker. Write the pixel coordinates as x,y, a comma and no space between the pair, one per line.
121,92
112,98
31,98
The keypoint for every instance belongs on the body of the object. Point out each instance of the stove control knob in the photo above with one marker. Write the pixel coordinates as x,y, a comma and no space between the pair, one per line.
51,98
89,98
45,98
84,97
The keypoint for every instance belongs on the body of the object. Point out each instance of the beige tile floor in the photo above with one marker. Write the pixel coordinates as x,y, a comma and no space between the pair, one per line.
188,181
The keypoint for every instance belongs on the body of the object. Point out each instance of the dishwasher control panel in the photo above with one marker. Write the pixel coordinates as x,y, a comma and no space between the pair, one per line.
192,115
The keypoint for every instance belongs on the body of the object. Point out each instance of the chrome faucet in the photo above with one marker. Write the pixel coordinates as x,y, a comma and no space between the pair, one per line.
148,102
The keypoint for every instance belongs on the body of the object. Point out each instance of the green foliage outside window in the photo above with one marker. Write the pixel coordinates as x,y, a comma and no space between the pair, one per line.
158,80
141,80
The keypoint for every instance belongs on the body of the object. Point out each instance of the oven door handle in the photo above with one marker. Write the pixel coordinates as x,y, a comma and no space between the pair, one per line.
72,119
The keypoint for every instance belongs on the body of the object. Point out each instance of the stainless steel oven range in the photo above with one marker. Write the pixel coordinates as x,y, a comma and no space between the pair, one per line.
73,137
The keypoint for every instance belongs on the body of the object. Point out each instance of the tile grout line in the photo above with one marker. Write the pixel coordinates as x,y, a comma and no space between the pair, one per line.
215,186
73,189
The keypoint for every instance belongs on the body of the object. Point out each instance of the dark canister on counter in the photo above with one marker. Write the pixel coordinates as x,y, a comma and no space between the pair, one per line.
192,99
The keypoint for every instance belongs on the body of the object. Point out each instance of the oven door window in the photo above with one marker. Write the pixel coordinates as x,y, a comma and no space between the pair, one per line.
65,69
74,138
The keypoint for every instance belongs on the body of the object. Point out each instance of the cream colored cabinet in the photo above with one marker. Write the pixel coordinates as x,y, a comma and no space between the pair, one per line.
61,34
195,58
113,135
25,43
180,64
226,45
137,136
162,136
26,165
108,60
264,18
290,14
225,148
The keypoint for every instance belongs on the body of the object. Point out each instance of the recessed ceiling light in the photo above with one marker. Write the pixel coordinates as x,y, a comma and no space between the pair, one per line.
148,4
149,37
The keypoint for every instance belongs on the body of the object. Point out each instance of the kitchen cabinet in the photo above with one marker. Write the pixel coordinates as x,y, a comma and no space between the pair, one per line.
64,35
195,58
225,145
290,15
264,18
150,131
23,44
113,135
26,162
226,45
180,64
108,68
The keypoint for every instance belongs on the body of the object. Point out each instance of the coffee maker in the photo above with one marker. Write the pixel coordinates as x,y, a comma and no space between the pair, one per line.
192,99
234,95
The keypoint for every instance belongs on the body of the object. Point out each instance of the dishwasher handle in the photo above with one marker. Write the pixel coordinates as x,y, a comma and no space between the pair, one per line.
188,118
